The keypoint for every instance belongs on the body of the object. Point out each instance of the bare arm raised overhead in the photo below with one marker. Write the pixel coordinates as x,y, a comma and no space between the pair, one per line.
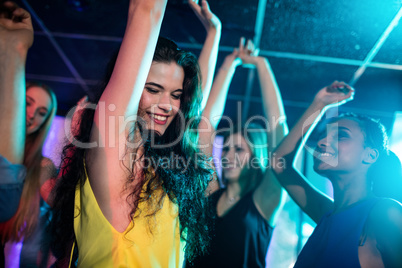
269,195
209,52
16,37
207,58
310,200
120,101
216,101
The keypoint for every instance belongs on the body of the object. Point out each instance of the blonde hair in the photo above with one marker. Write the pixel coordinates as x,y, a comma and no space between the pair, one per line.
24,221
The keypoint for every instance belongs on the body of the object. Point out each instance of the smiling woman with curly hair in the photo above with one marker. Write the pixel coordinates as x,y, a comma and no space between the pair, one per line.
118,203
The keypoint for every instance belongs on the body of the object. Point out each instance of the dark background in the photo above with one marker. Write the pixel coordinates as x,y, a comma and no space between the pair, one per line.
309,44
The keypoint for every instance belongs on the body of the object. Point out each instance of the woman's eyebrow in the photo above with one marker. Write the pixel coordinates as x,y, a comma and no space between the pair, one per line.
44,109
30,98
155,85
344,128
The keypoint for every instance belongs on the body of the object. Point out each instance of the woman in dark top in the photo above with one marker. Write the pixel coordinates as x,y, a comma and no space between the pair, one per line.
357,228
247,208
241,233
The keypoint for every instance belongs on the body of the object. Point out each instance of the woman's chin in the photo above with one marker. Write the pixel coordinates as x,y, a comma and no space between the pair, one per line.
152,131
29,131
231,176
157,132
321,169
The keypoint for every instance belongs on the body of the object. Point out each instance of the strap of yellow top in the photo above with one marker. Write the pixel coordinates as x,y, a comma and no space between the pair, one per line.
71,255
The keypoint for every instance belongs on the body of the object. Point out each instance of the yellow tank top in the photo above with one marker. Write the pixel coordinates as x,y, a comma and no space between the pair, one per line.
100,245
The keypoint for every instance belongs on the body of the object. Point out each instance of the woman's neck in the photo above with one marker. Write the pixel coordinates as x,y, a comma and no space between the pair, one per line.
233,189
241,186
350,189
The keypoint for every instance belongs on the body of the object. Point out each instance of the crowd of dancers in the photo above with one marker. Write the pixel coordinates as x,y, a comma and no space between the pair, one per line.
117,200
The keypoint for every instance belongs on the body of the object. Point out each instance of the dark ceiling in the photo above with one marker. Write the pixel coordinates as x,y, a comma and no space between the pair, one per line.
309,43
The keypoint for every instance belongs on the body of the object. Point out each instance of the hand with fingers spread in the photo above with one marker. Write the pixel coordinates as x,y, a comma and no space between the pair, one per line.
335,94
15,27
204,13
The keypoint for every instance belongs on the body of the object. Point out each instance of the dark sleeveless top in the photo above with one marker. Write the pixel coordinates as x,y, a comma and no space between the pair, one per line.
240,238
335,240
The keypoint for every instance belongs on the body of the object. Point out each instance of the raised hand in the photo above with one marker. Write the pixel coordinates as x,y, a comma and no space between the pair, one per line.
242,55
204,13
248,53
15,27
209,53
335,94
232,60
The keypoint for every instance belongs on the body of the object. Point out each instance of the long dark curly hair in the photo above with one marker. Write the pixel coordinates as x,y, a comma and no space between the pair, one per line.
184,182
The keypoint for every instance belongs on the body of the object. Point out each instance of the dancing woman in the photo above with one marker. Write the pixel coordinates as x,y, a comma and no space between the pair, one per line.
247,208
356,228
122,200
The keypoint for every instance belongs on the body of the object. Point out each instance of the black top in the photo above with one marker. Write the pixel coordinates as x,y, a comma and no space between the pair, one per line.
240,238
336,239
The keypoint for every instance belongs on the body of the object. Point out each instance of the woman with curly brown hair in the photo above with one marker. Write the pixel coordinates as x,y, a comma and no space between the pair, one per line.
132,190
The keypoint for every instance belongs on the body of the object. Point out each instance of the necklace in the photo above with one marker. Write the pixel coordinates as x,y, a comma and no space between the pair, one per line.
232,199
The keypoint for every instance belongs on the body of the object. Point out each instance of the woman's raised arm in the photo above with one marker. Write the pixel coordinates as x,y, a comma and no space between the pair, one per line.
215,105
209,52
311,201
16,37
117,108
269,195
